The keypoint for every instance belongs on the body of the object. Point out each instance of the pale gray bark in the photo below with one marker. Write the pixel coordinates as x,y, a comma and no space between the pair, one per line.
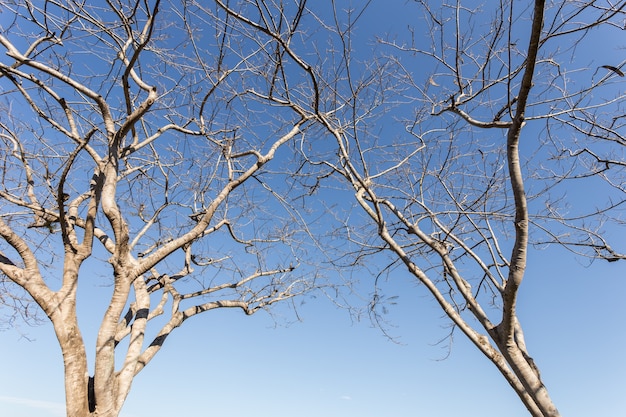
441,202
164,145
118,115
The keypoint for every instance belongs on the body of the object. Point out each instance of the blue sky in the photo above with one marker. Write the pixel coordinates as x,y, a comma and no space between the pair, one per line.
225,363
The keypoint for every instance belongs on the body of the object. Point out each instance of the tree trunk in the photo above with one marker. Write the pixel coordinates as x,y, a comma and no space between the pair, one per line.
74,360
530,379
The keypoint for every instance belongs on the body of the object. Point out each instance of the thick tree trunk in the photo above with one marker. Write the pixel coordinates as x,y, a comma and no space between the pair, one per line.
74,359
82,397
77,396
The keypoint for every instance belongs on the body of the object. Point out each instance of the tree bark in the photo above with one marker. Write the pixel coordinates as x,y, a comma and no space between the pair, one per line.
65,322
504,333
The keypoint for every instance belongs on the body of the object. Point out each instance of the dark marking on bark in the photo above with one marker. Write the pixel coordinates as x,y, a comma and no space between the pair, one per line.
91,395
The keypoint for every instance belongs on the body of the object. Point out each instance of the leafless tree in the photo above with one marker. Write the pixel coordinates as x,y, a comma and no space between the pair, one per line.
500,121
152,134
137,145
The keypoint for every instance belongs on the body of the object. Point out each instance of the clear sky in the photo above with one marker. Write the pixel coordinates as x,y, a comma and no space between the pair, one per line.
228,364
328,364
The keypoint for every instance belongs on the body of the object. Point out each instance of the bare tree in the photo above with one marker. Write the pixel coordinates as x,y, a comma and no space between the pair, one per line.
136,139
150,137
499,119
